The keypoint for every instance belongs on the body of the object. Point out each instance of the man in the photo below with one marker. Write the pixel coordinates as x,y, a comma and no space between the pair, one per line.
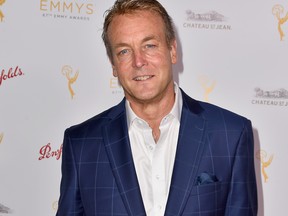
158,152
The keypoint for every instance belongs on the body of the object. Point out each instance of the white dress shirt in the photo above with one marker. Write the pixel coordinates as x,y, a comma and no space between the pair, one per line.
154,162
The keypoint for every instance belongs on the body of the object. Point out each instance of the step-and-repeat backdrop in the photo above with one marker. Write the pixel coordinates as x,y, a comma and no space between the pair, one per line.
54,73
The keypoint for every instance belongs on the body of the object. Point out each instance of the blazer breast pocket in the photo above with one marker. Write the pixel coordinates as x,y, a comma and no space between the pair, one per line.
210,188
207,199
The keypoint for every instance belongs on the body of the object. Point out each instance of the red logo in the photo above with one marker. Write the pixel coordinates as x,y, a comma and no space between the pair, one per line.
47,152
5,75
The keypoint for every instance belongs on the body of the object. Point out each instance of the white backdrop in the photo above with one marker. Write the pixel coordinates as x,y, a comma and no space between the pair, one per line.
54,73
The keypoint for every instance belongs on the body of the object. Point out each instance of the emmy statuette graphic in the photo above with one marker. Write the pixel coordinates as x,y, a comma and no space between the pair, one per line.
1,137
262,156
277,10
1,13
55,205
207,85
67,71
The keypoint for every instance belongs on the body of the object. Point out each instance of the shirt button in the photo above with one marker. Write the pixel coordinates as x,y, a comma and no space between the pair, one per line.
151,148
159,207
157,177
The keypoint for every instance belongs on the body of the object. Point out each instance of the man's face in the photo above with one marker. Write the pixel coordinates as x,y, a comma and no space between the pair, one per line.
141,58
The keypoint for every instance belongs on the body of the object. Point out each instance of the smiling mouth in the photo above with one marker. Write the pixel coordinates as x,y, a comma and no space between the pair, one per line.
142,78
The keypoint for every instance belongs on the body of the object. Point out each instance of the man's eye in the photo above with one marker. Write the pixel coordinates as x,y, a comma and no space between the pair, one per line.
150,46
123,52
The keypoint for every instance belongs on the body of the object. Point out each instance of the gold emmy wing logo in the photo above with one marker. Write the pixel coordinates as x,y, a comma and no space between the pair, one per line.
277,11
207,85
1,137
1,13
71,77
265,162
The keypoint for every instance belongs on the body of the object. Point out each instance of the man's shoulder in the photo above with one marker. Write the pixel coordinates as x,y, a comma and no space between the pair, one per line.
220,117
210,108
216,115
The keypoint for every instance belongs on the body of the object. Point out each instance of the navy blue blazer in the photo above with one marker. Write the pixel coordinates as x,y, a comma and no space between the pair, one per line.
213,172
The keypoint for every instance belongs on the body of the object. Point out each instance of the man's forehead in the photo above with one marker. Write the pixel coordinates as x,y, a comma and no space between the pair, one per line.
132,25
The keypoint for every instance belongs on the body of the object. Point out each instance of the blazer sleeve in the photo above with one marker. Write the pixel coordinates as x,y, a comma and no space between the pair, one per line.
242,198
70,203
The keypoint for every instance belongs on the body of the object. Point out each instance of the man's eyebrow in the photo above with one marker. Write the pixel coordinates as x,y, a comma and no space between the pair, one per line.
121,45
150,37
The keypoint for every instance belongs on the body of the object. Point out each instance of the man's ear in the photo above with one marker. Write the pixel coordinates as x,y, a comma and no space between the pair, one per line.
173,51
114,71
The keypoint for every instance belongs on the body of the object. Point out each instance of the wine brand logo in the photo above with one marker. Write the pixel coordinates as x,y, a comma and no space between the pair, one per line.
71,77
265,162
9,74
208,86
209,16
208,20
65,9
271,97
1,13
277,94
277,11
4,209
47,152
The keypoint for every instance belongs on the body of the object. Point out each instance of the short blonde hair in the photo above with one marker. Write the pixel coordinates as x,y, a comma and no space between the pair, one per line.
121,7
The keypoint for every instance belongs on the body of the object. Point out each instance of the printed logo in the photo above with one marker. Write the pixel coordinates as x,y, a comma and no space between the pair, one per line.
4,209
11,73
277,11
1,13
55,205
115,86
276,97
65,9
209,20
1,137
207,85
71,77
265,162
47,152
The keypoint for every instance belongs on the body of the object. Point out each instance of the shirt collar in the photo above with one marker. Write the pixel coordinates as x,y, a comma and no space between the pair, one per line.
175,111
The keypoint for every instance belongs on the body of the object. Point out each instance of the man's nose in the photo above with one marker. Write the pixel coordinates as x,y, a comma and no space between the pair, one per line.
139,59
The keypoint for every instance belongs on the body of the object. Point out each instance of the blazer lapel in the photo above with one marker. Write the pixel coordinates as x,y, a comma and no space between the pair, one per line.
189,152
116,141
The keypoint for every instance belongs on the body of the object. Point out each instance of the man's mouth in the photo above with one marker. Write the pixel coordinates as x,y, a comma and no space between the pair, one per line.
143,78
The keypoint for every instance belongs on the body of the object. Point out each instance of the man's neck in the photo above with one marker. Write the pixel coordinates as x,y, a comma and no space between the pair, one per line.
154,111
